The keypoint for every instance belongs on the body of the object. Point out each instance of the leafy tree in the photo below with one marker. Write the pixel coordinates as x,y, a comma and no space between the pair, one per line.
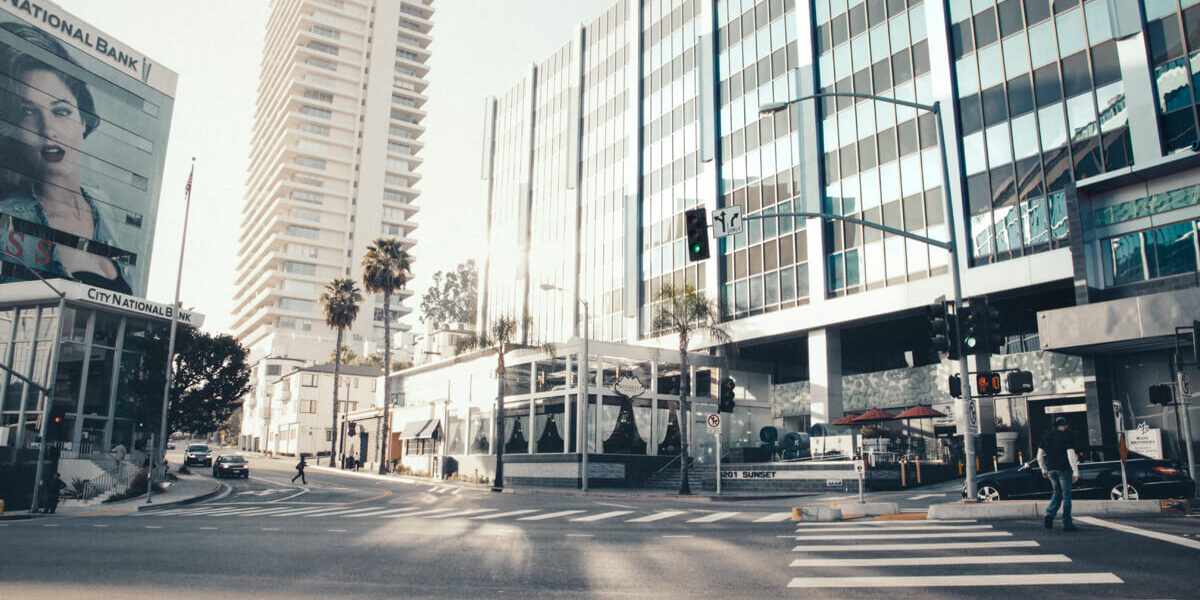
385,271
687,312
340,303
347,356
209,381
453,296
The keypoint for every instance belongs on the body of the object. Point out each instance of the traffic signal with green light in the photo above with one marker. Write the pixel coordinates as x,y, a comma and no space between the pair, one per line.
696,225
981,330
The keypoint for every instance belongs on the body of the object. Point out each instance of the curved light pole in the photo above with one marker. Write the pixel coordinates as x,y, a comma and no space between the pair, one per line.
584,380
950,246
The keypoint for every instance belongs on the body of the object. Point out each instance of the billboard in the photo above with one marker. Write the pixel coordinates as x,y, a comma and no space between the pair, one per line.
83,132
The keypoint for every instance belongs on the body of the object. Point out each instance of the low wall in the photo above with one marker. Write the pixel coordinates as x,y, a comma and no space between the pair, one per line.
553,470
812,477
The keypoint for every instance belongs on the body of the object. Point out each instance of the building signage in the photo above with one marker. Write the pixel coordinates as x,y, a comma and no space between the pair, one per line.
769,474
1145,441
629,386
106,298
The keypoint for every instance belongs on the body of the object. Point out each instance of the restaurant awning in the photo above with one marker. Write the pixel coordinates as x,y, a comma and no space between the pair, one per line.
419,430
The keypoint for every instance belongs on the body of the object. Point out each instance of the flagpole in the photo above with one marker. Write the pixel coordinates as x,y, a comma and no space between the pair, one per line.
160,449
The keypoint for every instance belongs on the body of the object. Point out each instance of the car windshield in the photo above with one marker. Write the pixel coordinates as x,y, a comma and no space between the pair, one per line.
231,459
197,448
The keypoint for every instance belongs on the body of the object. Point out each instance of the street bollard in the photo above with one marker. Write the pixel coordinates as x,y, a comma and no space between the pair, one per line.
918,461
995,464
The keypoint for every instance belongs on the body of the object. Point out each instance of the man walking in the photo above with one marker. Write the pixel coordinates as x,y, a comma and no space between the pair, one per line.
54,488
300,471
1056,456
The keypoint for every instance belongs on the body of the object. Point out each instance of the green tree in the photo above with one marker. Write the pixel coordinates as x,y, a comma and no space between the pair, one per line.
453,296
347,355
210,379
340,303
385,271
500,335
686,312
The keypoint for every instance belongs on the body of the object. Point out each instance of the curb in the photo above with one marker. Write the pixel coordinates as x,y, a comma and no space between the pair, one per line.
1037,509
219,488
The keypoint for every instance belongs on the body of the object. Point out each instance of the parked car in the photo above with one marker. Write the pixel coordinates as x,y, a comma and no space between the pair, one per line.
231,466
1145,477
197,454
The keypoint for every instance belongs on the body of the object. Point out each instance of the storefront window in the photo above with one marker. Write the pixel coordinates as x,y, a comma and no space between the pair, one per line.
517,379
551,375
99,380
481,425
516,427
548,425
455,442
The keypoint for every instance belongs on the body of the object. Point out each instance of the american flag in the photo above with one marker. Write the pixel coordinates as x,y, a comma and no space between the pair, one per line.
187,189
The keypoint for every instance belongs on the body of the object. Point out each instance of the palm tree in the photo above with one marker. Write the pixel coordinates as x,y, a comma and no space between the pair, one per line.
385,271
686,312
501,335
340,302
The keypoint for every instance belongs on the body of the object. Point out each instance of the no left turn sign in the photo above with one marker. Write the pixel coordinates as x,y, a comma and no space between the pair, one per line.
714,423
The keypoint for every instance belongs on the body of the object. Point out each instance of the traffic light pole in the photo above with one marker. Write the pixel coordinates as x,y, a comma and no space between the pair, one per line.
951,246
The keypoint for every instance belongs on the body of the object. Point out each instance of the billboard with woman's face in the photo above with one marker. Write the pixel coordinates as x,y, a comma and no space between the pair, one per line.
83,132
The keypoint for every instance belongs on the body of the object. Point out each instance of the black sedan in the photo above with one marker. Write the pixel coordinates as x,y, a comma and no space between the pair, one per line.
231,466
1145,477
197,454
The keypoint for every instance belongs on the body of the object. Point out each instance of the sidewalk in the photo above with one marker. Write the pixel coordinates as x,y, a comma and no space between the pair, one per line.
1030,509
187,489
607,492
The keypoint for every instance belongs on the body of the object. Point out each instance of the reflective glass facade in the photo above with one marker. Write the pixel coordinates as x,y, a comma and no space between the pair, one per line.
1173,39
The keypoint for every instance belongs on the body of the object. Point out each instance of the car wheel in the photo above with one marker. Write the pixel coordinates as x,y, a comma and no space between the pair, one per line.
988,493
1131,492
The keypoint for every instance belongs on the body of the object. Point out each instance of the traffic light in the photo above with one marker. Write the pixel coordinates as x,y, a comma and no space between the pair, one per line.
725,398
939,326
981,331
1162,393
696,224
987,383
993,342
972,329
955,386
1020,382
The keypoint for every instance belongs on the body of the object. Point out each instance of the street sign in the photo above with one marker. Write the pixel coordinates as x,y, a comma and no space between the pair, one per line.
727,221
860,466
1185,385
972,418
714,423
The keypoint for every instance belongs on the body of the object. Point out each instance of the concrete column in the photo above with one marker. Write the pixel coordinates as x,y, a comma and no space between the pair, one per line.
825,374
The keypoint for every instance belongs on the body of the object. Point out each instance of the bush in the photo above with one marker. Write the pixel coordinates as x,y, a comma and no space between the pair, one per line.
136,488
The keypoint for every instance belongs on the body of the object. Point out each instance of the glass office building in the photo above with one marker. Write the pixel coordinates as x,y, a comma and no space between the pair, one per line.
1072,189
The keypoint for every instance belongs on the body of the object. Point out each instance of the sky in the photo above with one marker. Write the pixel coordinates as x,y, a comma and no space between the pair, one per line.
480,48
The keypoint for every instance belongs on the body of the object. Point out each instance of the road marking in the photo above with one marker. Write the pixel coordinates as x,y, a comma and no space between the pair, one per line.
96,513
835,527
580,535
904,536
336,530
101,526
602,516
300,511
924,496
888,523
299,493
717,516
463,513
270,529
956,580
922,561
153,526
774,517
1165,537
340,511
210,528
50,525
658,516
505,514
265,511
384,494
916,546
561,513
386,512
456,491
433,511
432,489
678,536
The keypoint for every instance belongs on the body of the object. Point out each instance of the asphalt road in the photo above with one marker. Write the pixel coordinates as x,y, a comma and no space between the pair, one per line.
342,536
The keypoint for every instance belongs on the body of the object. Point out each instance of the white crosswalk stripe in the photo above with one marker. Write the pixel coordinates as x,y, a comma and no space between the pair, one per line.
553,515
510,513
717,516
600,517
774,517
387,512
463,513
857,555
658,516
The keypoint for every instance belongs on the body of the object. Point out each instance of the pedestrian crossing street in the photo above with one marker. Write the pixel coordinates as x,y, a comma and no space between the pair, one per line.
914,554
579,516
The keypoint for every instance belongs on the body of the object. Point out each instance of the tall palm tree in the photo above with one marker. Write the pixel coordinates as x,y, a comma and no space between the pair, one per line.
340,302
385,271
687,312
501,334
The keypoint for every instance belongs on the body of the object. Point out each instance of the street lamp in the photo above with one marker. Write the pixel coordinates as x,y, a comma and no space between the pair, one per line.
950,246
584,381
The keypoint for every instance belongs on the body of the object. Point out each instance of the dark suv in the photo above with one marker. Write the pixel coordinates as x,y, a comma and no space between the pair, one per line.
231,466
197,454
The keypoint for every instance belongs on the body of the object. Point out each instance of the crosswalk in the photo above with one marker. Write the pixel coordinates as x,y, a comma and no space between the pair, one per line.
573,515
862,555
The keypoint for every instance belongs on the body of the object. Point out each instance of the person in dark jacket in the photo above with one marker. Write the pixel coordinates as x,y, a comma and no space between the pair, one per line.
1060,464
300,471
53,489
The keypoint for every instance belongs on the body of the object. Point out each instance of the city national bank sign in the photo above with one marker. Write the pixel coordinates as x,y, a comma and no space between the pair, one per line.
109,299
50,17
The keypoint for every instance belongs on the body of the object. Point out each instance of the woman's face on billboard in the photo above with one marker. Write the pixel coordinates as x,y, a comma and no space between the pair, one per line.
51,126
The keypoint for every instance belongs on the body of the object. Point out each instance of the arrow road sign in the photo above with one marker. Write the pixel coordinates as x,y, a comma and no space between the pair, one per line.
727,221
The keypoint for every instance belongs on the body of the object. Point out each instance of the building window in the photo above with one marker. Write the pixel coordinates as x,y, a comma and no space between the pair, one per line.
1160,252
321,30
312,163
300,268
307,233
320,113
295,304
322,47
